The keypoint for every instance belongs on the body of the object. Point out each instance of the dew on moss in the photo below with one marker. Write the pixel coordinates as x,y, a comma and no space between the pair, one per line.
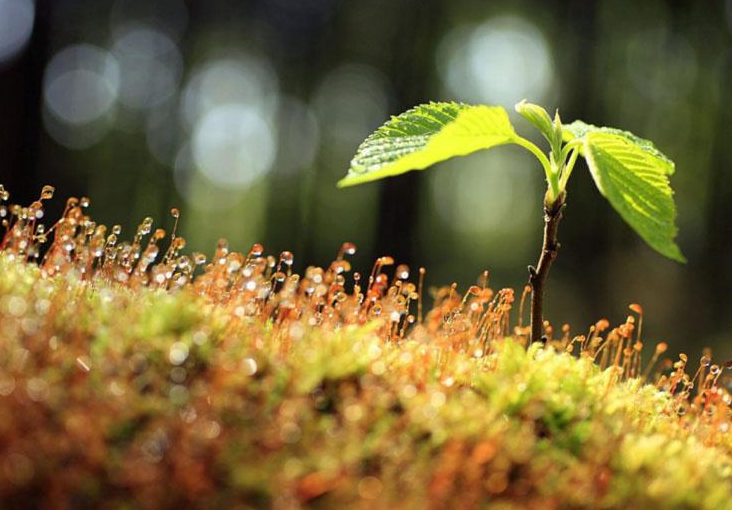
232,358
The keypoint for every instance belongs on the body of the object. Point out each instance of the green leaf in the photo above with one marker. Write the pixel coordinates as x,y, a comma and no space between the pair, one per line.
635,182
539,118
579,129
428,134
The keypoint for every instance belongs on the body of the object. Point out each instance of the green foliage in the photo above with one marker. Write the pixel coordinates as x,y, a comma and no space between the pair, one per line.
579,129
629,171
426,135
635,183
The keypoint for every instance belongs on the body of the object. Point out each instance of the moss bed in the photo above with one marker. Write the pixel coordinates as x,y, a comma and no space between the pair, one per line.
127,383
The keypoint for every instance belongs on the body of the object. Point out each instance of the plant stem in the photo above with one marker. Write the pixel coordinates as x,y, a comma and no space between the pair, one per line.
537,276
552,178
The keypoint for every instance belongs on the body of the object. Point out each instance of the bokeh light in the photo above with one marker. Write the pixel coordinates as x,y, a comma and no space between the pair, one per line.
481,210
233,145
195,188
171,16
242,79
298,133
80,88
150,65
500,61
229,106
162,132
483,194
350,102
238,213
16,26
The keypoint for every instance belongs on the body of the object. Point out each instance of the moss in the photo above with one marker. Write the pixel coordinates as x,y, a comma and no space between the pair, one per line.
121,397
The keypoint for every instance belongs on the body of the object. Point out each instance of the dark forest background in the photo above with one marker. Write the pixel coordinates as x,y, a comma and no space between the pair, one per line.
245,113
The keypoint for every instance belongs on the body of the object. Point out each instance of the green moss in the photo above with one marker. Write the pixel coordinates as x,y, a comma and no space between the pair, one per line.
117,398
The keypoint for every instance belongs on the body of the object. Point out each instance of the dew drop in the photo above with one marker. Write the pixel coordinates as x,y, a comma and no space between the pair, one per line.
47,192
249,366
178,353
286,257
635,307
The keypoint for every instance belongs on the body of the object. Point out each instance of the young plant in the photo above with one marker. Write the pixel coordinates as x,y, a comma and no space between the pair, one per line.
629,171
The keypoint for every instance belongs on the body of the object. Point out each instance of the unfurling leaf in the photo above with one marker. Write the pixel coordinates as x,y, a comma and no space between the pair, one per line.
428,134
540,119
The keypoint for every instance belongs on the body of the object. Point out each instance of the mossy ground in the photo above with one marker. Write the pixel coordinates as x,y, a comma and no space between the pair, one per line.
119,397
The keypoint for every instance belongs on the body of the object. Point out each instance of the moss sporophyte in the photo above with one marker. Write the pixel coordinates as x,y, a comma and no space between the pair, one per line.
133,375
629,171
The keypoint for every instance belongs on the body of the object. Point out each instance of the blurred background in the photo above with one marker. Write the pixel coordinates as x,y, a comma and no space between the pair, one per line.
245,113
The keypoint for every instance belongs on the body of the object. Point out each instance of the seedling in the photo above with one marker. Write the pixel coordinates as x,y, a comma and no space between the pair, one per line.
629,171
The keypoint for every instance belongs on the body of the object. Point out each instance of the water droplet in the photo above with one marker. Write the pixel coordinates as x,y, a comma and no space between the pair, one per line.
348,249
287,258
249,365
178,353
47,192
635,307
